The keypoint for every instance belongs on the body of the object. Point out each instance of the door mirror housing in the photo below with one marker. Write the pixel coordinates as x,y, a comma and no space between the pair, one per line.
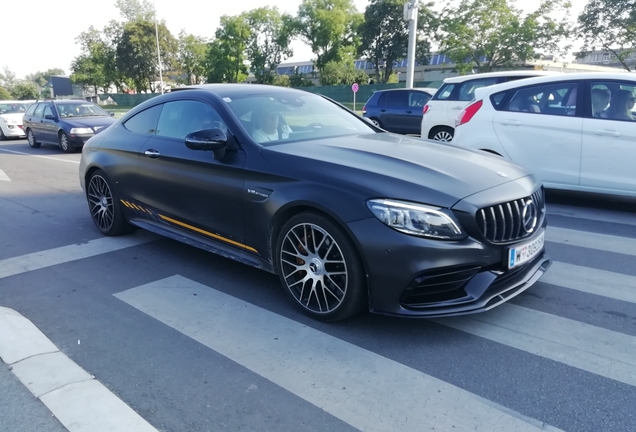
207,139
50,117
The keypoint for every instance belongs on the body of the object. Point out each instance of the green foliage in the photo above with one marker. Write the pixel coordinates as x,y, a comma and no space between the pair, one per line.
299,80
135,10
191,57
342,72
393,79
609,25
95,65
496,30
25,91
226,60
4,94
7,78
327,26
282,81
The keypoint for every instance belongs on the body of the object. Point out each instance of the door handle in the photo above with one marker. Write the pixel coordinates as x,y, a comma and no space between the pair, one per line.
409,112
511,122
152,153
457,107
608,132
382,110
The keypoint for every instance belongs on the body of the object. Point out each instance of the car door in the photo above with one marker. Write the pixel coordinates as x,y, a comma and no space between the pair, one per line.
609,138
540,129
413,118
395,104
35,122
49,125
191,189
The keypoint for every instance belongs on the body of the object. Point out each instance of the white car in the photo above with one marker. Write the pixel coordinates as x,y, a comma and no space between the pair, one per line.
438,120
574,132
11,113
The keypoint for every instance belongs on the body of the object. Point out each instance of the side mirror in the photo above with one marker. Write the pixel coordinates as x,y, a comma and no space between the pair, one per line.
111,113
207,139
50,117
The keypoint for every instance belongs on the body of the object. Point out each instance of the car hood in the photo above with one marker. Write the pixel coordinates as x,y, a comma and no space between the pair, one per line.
98,123
397,167
13,116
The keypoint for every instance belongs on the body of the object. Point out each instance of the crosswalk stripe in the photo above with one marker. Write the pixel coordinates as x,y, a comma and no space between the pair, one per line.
342,379
65,254
601,242
603,352
592,281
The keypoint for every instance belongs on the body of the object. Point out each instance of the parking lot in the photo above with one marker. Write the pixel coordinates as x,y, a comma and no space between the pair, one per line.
193,341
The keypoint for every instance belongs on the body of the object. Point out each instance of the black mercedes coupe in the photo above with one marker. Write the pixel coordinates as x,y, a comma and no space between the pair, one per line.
349,216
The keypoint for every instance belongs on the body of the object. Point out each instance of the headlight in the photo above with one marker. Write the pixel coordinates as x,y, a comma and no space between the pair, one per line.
416,219
10,121
81,131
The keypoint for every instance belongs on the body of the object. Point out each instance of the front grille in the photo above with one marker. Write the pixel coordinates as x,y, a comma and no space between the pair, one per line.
503,223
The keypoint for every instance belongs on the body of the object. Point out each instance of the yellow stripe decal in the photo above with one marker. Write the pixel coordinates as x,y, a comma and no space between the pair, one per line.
125,203
215,236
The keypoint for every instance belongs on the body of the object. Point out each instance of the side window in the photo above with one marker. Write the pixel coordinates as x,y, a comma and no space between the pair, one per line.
47,111
418,99
31,110
613,100
551,99
145,122
382,99
180,118
467,89
444,93
497,99
397,98
39,110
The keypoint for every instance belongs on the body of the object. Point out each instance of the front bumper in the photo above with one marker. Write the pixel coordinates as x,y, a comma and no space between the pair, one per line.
416,277
13,130
78,140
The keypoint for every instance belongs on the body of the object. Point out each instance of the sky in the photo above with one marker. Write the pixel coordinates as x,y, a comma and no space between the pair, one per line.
48,41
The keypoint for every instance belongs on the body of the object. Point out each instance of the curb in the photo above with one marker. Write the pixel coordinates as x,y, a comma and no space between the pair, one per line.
76,398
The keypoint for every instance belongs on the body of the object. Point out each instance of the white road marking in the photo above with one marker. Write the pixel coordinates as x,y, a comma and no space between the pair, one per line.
41,156
363,389
601,242
601,215
80,403
603,283
64,254
603,352
4,176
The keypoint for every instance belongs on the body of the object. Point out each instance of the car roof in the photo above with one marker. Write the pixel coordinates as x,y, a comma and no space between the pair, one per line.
513,73
16,101
557,78
420,89
242,89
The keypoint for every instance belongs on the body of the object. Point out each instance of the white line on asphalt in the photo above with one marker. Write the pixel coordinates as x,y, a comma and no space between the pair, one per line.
603,283
40,156
64,254
602,242
4,176
80,403
603,352
363,389
601,215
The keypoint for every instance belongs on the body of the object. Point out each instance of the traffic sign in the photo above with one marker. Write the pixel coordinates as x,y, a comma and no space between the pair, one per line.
355,87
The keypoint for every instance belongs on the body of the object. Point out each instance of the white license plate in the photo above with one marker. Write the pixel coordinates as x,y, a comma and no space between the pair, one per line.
525,252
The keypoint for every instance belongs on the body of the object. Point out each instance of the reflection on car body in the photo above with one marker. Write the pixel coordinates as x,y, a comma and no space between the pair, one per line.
350,217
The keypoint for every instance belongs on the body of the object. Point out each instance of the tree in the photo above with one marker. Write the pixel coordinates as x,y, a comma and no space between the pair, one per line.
328,25
191,57
342,71
226,60
136,10
282,81
492,33
385,34
25,91
136,53
268,43
609,25
5,95
95,66
41,78
7,78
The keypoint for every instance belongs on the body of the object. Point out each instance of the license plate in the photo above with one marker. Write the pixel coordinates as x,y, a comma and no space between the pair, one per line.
525,252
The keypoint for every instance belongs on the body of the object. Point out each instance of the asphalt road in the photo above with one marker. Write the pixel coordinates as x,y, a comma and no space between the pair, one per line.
195,342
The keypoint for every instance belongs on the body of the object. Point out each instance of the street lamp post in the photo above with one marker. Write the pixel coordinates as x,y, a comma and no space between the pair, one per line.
410,15
158,52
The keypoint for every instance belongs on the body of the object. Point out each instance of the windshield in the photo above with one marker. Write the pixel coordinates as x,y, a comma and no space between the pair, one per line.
286,116
80,110
14,108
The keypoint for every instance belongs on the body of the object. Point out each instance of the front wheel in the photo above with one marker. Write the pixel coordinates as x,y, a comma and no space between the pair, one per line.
65,145
105,209
319,268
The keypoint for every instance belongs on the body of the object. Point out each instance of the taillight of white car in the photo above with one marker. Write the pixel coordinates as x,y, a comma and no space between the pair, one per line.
468,113
426,109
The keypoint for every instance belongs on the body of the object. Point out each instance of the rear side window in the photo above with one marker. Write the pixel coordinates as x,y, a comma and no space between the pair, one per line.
144,122
497,100
31,110
445,92
418,99
397,98
39,110
467,89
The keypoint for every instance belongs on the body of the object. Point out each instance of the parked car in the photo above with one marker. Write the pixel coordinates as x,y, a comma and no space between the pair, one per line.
66,123
398,110
438,115
349,216
11,113
575,132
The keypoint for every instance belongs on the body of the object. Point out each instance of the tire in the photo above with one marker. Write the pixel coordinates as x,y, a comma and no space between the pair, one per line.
442,134
376,122
2,135
104,206
31,138
303,272
64,143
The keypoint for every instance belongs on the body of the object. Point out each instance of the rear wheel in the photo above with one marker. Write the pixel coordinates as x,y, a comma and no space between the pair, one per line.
376,122
442,134
104,207
31,139
320,269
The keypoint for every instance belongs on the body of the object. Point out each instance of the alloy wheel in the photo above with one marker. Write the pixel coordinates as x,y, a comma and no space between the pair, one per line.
100,202
443,136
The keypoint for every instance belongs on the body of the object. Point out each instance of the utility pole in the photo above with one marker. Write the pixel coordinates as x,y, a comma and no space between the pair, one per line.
158,52
410,15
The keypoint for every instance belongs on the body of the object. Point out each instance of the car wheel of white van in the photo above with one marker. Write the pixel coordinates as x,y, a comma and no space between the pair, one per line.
443,134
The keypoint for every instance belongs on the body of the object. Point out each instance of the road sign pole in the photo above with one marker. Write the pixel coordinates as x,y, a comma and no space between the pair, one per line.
354,89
